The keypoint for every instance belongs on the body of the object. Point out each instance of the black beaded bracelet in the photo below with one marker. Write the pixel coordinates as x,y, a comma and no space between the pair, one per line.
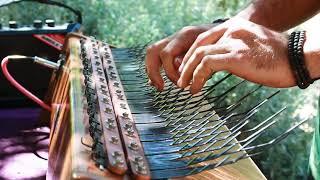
296,59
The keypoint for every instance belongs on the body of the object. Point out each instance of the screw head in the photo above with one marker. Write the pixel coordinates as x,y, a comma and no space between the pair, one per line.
133,145
114,140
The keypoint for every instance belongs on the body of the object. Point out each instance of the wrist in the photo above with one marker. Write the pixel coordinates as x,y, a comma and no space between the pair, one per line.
251,14
311,51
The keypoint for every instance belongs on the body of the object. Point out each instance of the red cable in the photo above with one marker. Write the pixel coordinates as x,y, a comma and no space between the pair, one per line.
21,88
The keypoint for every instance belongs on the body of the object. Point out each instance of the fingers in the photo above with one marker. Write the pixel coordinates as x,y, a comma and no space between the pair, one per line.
209,37
168,55
209,65
153,63
177,62
195,59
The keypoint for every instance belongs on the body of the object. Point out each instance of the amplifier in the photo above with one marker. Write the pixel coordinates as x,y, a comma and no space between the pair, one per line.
43,39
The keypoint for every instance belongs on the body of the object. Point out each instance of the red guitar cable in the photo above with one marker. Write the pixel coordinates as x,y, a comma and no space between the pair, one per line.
23,90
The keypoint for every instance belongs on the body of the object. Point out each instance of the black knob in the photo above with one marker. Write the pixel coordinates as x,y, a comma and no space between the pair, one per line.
50,22
13,24
37,23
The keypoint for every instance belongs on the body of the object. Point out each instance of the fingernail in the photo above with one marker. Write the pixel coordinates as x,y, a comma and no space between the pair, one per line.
180,68
179,83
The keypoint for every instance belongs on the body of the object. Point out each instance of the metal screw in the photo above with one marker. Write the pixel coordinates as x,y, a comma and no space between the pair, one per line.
110,125
138,159
105,100
123,106
116,154
125,115
116,84
141,168
114,140
109,120
128,125
130,132
108,110
133,145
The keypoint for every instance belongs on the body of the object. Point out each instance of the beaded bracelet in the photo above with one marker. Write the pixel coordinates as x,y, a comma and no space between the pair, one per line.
296,59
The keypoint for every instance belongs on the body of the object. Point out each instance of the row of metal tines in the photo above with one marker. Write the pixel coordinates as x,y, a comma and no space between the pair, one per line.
187,130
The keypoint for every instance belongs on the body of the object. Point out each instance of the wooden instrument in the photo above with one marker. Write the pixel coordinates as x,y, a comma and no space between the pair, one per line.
108,123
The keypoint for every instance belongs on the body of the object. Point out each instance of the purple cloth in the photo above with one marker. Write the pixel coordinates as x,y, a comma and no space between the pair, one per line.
24,146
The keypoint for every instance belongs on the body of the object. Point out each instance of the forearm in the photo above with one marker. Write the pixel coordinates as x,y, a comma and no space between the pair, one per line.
280,15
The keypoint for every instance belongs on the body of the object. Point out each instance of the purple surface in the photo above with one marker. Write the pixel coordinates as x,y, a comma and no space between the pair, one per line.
23,145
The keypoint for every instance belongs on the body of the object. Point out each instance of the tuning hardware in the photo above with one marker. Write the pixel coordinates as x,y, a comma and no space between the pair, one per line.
13,24
37,23
50,22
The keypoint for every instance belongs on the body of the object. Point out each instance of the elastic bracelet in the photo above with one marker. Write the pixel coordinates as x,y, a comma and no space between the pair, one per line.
297,60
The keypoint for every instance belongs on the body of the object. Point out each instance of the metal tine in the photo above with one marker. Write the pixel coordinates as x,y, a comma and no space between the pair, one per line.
172,103
213,140
251,110
202,133
164,92
212,155
262,146
215,128
165,99
167,94
206,103
212,86
186,95
249,114
262,123
187,92
189,170
259,132
202,123
207,90
249,139
198,169
134,82
189,102
274,140
240,125
184,92
213,107
217,109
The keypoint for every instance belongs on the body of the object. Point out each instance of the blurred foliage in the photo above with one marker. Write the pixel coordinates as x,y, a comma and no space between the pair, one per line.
131,22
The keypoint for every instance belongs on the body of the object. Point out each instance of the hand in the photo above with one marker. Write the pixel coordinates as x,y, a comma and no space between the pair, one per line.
169,52
242,48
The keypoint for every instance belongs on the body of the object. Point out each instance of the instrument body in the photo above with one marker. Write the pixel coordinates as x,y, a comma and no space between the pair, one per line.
71,155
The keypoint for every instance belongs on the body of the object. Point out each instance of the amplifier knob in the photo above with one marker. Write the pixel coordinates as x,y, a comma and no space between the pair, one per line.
50,22
37,23
13,24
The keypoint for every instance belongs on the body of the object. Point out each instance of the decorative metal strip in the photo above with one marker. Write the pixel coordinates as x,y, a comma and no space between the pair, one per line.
134,149
102,119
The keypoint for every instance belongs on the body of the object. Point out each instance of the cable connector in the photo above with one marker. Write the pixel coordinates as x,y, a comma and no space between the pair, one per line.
46,63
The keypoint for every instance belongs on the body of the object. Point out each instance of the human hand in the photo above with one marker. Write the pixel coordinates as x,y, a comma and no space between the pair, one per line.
242,48
168,54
